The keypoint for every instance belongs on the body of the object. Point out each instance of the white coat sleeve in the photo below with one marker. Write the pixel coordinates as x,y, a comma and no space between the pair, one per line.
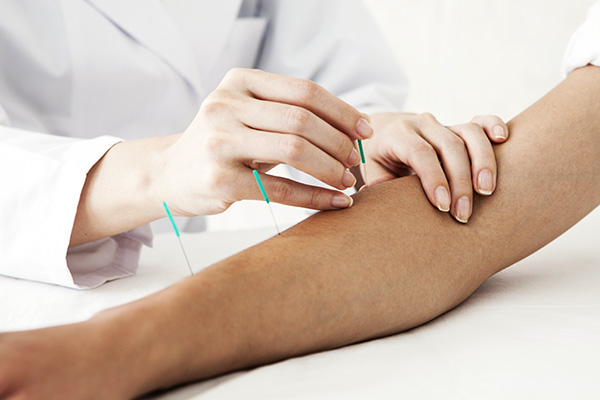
42,179
336,44
584,47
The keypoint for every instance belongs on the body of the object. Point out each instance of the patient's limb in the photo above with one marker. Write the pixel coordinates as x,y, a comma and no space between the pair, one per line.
387,264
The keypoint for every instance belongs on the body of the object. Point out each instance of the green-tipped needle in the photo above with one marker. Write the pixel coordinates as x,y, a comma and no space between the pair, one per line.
178,237
362,153
362,159
264,193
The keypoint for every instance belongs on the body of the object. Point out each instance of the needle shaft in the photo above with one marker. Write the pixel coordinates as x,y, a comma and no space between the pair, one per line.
264,193
185,255
178,237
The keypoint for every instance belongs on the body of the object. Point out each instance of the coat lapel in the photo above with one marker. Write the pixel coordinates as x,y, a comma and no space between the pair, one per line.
206,25
148,22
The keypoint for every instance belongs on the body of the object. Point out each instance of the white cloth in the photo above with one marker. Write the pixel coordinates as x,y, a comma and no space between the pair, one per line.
91,68
529,332
584,47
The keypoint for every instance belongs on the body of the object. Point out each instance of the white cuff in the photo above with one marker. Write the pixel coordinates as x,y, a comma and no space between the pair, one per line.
44,178
584,47
95,263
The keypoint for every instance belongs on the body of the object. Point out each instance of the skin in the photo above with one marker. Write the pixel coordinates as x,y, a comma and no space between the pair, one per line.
277,300
256,120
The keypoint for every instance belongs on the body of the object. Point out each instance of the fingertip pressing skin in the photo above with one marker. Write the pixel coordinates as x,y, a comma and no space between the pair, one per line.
500,133
442,199
495,128
462,211
485,182
340,200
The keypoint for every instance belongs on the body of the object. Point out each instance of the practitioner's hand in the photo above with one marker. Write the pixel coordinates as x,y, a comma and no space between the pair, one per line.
256,120
450,161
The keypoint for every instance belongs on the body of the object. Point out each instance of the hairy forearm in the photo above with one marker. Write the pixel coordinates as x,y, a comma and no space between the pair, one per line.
389,263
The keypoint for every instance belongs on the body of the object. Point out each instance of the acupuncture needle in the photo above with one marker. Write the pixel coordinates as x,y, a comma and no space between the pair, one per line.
264,193
178,237
363,162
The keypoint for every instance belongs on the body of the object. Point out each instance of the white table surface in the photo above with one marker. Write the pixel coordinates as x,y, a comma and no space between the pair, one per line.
529,332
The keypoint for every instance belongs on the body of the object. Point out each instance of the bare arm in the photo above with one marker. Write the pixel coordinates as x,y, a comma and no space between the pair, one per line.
310,289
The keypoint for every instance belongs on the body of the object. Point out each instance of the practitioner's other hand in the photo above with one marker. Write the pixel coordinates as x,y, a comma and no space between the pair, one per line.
450,161
256,120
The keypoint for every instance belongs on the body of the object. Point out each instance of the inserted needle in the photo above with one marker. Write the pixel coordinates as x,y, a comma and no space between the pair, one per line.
264,193
363,162
178,237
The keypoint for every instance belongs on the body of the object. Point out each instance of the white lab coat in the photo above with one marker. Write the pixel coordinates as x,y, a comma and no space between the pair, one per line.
77,76
584,47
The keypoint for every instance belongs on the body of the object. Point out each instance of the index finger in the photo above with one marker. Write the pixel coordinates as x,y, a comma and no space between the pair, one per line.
306,94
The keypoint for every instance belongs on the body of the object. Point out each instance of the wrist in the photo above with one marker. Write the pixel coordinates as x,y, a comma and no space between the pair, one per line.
152,177
135,169
122,191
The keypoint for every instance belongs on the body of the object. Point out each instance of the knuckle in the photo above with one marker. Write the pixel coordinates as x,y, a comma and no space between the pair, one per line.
211,108
293,147
235,74
216,104
422,149
216,143
216,180
317,199
307,91
498,120
282,190
463,180
428,117
297,119
487,118
477,119
221,94
403,125
238,77
472,126
420,152
453,144
343,147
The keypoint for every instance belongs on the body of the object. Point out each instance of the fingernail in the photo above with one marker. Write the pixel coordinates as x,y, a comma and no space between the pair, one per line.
364,128
499,132
354,158
348,180
340,200
463,209
362,187
485,182
442,199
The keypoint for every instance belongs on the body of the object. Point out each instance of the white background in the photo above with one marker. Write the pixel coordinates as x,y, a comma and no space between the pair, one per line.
468,57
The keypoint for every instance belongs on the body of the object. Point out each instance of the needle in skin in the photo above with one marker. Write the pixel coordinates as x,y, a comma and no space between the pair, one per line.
264,193
363,162
178,237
